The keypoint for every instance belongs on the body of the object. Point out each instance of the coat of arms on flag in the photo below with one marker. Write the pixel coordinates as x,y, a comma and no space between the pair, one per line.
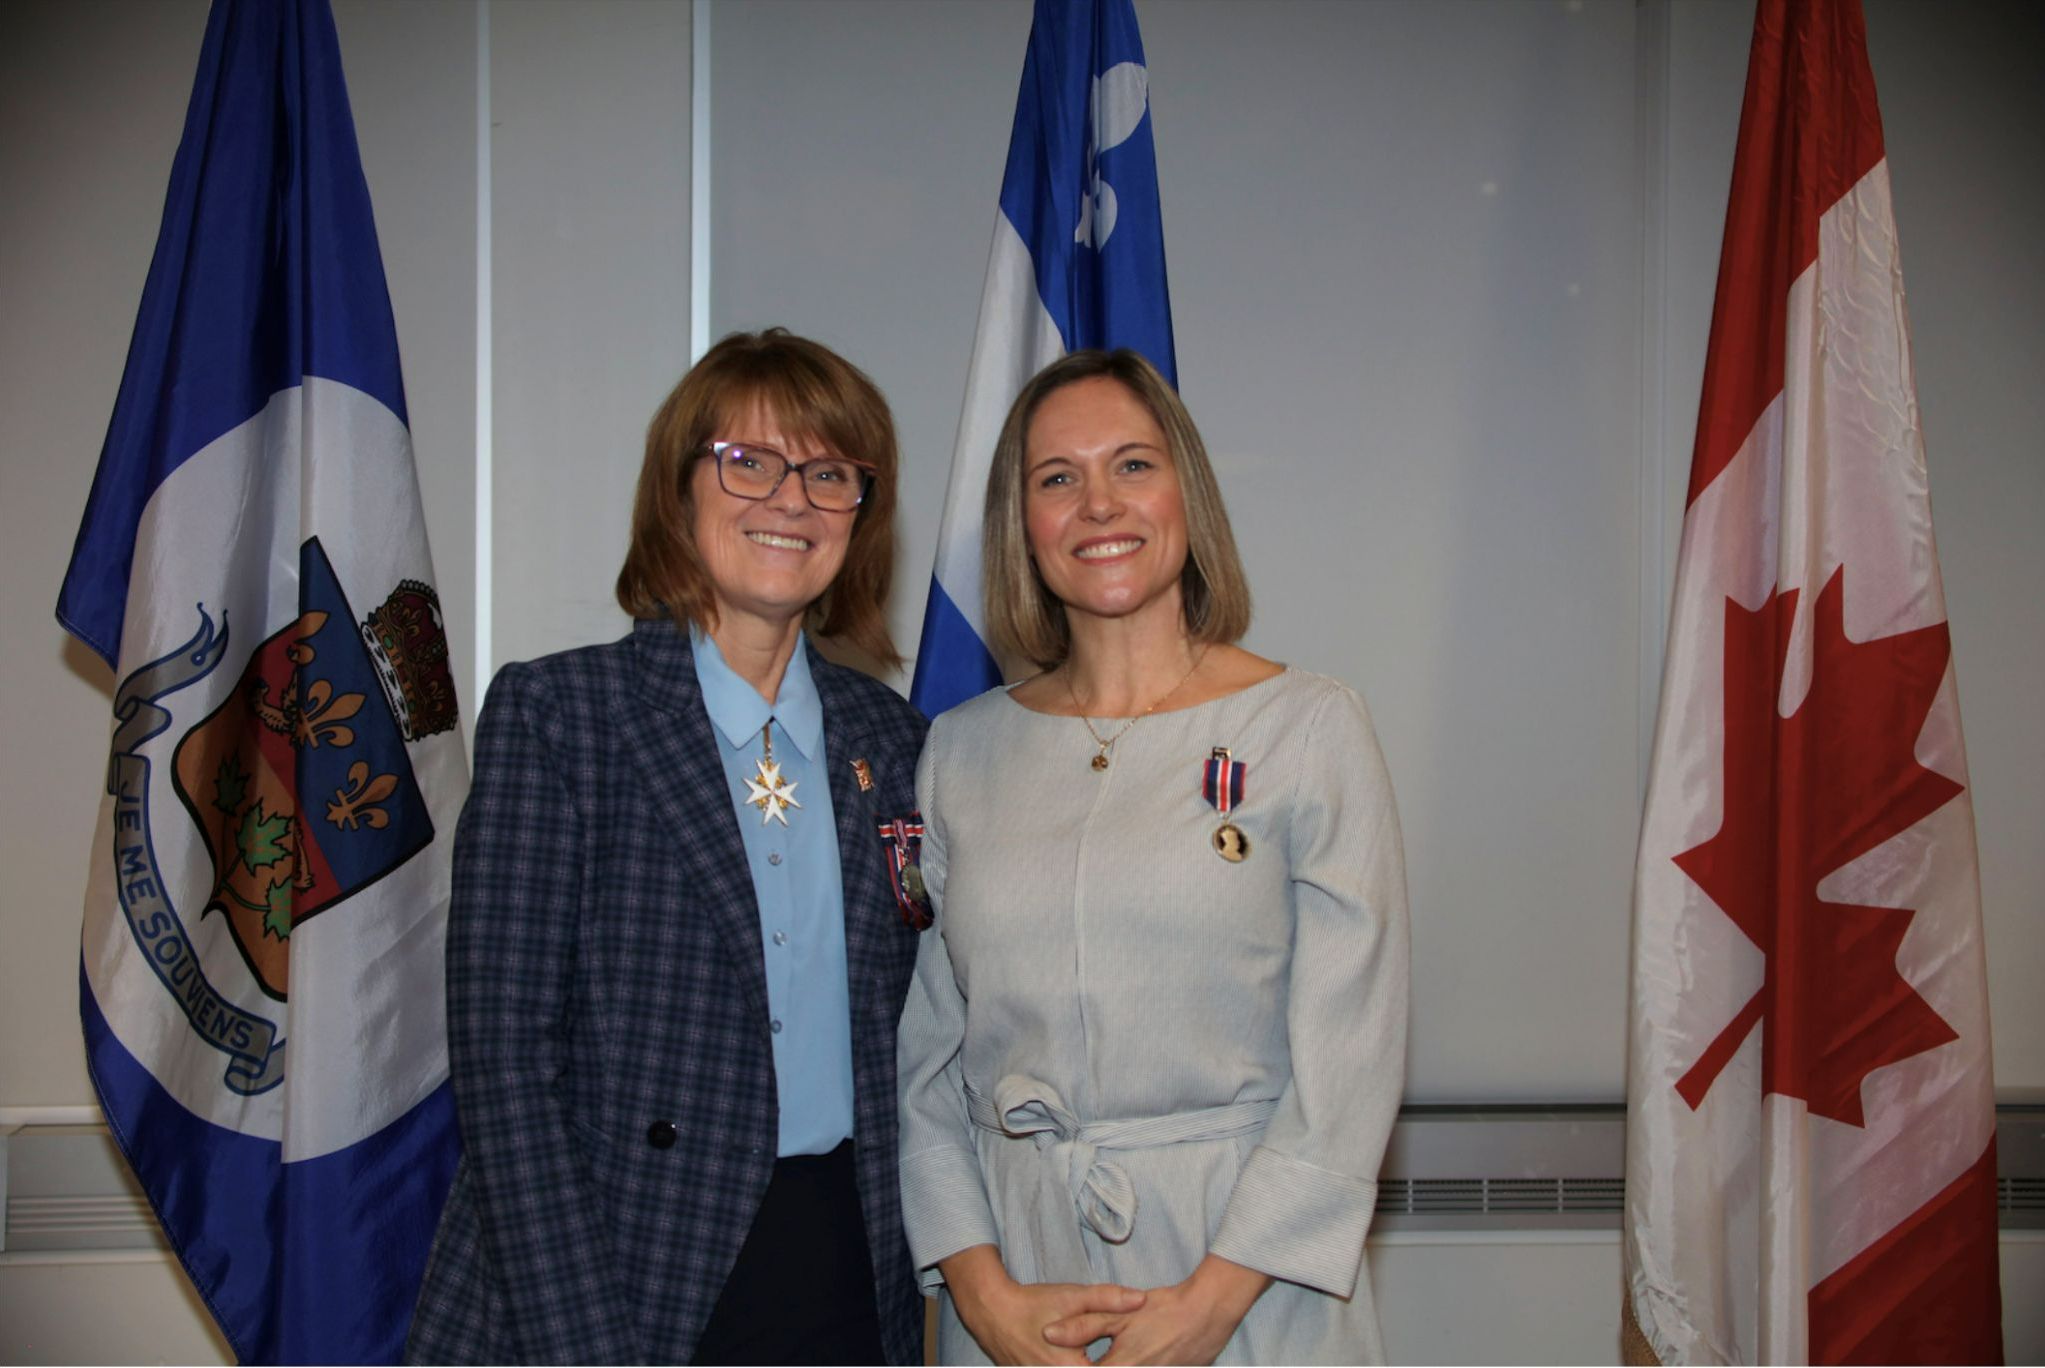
321,707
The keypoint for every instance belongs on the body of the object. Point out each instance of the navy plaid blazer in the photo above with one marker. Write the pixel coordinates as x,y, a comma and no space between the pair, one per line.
605,978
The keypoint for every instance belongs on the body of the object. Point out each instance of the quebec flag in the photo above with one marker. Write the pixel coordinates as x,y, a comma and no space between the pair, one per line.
261,968
1078,261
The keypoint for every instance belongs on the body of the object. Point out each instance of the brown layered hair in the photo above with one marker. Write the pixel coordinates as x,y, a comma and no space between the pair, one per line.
812,393
1023,615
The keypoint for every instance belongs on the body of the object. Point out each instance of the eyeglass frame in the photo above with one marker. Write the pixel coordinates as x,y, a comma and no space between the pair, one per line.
715,451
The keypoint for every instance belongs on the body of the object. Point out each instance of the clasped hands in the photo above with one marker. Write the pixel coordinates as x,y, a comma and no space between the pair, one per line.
1187,1322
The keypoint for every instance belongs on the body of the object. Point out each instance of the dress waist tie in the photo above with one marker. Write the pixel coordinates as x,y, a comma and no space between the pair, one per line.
1072,1174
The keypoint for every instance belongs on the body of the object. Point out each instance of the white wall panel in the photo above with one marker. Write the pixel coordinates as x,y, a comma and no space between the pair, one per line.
138,1310
590,239
1404,247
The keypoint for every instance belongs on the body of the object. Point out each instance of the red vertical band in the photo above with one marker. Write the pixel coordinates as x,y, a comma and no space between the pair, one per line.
1928,1291
1809,131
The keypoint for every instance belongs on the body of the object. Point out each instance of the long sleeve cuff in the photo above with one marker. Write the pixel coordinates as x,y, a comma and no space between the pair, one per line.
944,1209
1297,1223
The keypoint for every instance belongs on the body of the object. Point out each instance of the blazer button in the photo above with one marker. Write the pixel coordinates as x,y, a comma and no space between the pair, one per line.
661,1135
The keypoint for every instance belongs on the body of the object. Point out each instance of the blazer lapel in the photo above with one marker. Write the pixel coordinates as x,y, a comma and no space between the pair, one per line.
846,739
681,769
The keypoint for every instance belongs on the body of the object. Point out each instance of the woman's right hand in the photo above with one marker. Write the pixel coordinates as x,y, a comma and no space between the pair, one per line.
1008,1317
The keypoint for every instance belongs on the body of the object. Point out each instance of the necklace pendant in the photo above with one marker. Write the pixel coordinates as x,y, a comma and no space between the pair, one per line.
770,791
1100,761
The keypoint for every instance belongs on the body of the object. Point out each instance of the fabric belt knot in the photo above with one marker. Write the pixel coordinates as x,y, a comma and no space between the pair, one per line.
1072,1172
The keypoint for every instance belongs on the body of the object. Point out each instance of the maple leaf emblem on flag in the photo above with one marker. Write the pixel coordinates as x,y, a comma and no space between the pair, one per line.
1805,796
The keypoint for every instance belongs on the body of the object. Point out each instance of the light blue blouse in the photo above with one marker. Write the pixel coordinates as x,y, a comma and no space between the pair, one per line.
799,888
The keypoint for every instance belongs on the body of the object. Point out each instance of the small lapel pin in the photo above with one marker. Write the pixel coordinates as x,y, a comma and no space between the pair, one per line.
864,773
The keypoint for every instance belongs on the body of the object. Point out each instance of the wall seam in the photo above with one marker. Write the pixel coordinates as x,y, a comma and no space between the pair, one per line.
699,179
485,363
1652,118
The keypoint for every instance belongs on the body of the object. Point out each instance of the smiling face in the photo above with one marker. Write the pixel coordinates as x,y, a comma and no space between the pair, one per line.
767,559
1101,503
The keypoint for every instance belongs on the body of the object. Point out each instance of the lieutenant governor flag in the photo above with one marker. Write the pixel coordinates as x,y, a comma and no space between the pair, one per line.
1811,1143
261,970
1078,261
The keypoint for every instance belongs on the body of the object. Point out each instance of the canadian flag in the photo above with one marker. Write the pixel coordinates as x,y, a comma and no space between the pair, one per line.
1811,1129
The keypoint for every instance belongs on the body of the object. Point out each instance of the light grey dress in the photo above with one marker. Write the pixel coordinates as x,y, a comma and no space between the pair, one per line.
1121,1051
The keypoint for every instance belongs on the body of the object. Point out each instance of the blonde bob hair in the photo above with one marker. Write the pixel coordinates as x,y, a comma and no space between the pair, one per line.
1023,615
812,393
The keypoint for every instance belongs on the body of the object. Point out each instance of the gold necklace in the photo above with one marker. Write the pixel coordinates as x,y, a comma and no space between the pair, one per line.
1100,760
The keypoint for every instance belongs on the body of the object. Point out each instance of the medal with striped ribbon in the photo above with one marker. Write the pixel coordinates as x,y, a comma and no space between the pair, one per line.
902,843
1221,784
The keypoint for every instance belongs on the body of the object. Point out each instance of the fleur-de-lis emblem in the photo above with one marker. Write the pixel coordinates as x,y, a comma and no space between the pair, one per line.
1120,97
357,803
322,714
300,651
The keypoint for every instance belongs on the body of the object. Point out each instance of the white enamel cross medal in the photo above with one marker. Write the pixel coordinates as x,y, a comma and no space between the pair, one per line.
768,791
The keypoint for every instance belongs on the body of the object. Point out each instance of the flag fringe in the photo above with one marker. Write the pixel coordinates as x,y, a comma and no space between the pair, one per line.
1634,1349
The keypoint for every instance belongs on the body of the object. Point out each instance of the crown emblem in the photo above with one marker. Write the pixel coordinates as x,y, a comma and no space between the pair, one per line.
408,644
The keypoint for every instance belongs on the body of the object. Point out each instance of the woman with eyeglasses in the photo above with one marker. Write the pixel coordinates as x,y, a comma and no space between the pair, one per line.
1158,1036
675,959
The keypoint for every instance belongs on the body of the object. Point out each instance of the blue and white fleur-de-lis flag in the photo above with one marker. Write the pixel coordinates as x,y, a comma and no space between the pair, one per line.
1078,261
261,976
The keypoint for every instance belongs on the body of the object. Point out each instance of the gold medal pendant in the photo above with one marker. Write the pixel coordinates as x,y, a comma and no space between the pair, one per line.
768,791
1230,843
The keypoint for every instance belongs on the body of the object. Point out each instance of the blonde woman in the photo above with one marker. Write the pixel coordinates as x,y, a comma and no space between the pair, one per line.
1158,1040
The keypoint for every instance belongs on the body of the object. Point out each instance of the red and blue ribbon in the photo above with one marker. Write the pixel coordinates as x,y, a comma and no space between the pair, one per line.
1221,781
902,840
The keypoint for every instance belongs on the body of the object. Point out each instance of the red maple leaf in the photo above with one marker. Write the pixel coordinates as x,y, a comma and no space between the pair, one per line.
1804,796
